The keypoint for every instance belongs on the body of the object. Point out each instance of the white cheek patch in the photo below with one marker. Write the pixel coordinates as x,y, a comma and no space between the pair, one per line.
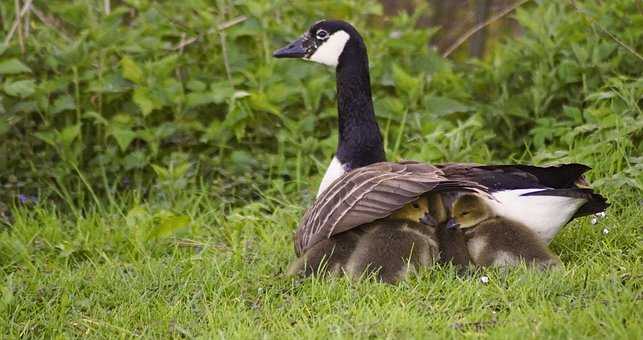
328,52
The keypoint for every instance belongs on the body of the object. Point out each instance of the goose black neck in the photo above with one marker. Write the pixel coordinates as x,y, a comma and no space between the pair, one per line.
360,141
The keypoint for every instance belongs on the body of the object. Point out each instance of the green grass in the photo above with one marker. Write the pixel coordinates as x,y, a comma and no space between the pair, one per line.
117,109
104,273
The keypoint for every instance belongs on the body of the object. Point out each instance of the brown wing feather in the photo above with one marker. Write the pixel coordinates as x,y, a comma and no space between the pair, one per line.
370,193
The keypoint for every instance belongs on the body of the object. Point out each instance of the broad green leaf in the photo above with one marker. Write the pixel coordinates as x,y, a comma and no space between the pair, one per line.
62,103
20,88
404,81
161,172
69,134
222,91
143,99
393,105
260,102
131,71
123,137
168,224
199,98
181,170
136,216
96,117
135,160
48,137
441,106
196,86
163,67
13,66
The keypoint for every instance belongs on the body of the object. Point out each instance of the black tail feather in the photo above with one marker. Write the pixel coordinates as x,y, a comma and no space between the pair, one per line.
567,192
556,176
595,202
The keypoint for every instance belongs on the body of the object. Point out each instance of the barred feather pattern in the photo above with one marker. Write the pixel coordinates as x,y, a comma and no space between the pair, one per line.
370,193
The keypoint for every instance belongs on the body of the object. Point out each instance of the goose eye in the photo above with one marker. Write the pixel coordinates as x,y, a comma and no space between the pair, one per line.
322,34
416,206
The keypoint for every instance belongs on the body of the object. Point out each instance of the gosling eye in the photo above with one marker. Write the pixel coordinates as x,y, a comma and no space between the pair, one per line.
416,206
321,34
465,213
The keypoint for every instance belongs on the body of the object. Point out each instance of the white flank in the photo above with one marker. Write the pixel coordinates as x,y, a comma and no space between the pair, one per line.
545,215
475,246
329,51
505,259
334,171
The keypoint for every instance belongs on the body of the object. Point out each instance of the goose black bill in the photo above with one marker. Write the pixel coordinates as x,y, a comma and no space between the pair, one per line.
295,49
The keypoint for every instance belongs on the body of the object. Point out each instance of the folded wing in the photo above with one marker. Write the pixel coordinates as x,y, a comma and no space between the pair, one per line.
371,193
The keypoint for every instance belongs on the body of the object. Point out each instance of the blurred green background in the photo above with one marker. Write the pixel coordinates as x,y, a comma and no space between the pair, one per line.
101,97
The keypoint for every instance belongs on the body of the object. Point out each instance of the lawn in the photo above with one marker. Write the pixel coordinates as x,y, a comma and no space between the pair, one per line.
108,273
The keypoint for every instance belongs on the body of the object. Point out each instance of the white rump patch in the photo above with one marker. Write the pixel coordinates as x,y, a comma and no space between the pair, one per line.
329,51
544,215
334,171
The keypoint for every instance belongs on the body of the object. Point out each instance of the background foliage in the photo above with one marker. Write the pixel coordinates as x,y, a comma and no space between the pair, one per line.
154,157
156,93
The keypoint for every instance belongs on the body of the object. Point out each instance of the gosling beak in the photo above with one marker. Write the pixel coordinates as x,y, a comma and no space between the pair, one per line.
293,50
428,220
452,224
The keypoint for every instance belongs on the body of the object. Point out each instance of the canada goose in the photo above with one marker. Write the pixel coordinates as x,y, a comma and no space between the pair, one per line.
389,248
497,241
543,199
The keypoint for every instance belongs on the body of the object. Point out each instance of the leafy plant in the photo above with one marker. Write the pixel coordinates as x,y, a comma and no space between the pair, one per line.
156,96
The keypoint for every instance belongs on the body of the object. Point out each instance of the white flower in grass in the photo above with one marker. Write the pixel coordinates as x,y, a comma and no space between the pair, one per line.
593,221
606,231
484,279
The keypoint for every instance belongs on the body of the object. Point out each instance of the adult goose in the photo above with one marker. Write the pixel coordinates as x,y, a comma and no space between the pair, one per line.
543,199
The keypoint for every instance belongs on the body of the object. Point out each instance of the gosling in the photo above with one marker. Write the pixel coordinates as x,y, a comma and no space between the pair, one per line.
497,241
451,241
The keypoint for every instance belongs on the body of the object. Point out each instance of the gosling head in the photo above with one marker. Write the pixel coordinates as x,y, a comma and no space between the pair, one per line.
325,42
467,211
417,211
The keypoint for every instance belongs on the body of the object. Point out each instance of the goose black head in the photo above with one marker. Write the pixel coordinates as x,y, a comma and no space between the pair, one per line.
325,42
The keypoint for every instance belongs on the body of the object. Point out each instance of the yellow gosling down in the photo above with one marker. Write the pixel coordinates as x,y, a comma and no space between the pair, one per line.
414,212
